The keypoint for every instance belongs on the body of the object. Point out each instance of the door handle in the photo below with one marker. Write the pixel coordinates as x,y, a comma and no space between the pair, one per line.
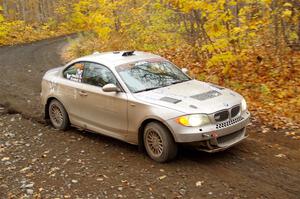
82,93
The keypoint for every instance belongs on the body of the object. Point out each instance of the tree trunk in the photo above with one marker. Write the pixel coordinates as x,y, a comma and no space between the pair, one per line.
5,8
276,24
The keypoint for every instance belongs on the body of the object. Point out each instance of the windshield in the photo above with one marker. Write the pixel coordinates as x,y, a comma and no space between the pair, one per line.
149,75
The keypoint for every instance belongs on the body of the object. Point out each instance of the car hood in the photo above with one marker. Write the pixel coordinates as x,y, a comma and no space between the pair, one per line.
192,97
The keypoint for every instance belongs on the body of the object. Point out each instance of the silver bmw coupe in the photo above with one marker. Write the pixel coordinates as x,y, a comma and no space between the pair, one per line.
143,99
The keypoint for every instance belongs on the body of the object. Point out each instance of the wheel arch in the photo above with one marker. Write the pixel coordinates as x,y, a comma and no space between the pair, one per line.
46,109
142,127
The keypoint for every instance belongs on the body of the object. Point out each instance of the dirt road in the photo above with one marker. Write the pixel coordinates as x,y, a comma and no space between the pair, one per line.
36,160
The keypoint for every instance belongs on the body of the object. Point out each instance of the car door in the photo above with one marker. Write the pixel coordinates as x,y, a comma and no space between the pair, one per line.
103,112
68,91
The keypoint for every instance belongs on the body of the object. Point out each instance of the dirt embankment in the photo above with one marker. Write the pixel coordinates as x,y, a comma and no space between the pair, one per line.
37,160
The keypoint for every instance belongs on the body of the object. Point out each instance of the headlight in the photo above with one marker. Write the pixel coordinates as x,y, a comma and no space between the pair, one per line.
193,120
244,105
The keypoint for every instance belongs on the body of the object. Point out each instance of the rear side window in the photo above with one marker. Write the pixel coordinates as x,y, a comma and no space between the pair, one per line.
98,75
74,72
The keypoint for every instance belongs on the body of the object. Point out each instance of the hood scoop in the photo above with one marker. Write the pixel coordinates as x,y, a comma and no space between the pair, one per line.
206,95
171,100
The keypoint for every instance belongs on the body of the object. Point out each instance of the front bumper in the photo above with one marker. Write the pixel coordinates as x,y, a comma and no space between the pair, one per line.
215,137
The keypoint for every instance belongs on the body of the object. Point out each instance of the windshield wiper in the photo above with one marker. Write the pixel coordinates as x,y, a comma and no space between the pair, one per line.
180,81
148,89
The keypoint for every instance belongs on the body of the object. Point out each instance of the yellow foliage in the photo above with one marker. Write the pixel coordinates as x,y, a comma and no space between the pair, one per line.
3,27
287,13
287,5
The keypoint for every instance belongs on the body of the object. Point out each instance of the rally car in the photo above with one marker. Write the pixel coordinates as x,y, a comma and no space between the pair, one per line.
143,99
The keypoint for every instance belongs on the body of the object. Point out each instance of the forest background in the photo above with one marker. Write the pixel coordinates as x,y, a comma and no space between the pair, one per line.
250,46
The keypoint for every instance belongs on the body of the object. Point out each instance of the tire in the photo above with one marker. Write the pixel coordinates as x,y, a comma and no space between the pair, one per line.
159,143
58,115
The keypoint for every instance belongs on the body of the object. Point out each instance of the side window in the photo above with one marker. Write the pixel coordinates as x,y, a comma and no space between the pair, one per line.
98,75
74,72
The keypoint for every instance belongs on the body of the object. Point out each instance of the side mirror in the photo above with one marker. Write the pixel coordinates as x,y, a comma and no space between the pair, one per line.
110,88
185,70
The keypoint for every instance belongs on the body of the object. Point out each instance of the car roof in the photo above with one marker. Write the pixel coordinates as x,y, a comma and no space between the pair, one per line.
116,58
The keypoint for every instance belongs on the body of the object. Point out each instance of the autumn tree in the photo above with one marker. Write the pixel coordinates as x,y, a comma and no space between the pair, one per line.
3,28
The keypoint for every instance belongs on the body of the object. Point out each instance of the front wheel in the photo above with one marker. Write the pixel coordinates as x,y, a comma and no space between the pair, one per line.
58,115
159,142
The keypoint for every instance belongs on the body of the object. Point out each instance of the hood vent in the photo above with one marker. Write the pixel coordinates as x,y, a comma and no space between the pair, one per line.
207,95
171,100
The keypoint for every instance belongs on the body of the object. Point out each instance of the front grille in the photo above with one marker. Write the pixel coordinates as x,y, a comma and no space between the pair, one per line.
227,138
235,111
229,123
221,116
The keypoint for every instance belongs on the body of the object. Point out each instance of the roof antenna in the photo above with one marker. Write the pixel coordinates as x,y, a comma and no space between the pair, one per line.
128,53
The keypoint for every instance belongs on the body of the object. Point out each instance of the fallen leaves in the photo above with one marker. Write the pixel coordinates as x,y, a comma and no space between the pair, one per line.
5,159
265,129
280,155
25,169
52,170
294,135
162,177
290,133
199,183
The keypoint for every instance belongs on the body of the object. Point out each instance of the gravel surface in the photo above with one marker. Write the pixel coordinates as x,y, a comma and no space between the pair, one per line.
37,161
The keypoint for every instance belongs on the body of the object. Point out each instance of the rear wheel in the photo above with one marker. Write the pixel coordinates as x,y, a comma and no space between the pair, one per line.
58,115
159,142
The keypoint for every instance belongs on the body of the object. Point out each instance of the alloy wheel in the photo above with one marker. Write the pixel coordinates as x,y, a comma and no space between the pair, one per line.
56,115
154,142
